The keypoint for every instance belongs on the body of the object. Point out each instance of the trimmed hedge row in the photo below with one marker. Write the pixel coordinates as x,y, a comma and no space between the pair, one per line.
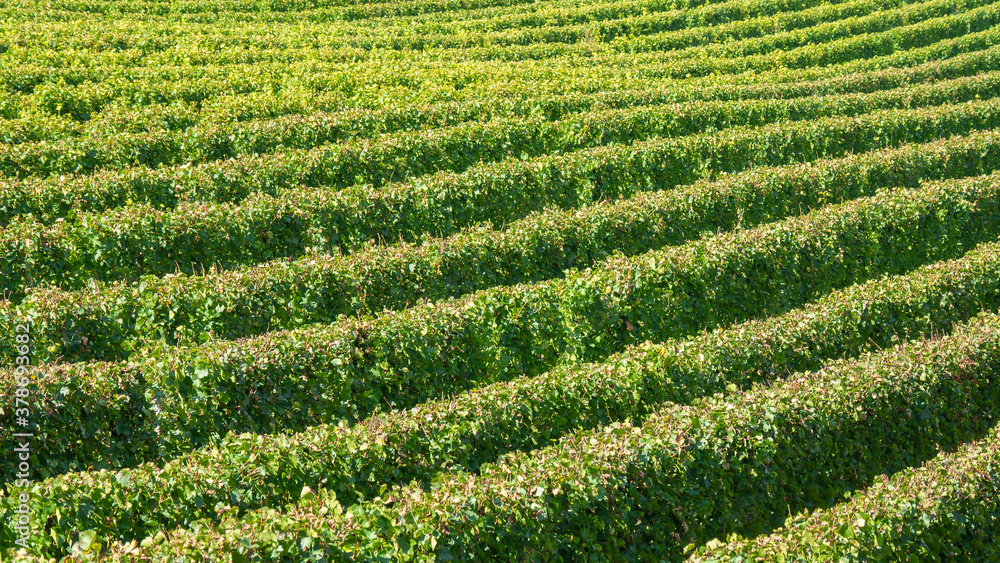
255,12
208,141
129,242
400,155
499,17
246,472
171,400
454,148
731,18
437,79
86,100
115,35
486,350
742,22
68,101
56,98
487,19
107,322
929,41
945,510
854,21
231,181
768,23
853,49
815,35
405,34
32,126
195,12
20,130
376,49
816,45
441,36
735,463
263,42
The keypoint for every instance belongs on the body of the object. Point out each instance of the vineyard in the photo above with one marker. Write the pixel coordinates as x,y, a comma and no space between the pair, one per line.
500,280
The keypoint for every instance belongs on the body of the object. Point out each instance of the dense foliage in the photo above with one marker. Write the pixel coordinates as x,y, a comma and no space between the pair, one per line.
550,280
